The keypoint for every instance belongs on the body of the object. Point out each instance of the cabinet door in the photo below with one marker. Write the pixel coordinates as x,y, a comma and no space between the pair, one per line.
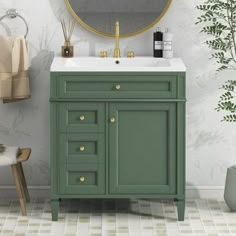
142,148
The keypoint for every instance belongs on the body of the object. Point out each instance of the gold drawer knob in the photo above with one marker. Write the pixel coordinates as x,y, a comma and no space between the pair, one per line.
82,117
82,179
112,119
118,87
82,148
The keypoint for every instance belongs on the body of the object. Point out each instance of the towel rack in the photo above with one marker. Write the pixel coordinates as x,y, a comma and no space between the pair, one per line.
13,13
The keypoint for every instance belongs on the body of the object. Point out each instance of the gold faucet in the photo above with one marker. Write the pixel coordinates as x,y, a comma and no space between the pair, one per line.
117,36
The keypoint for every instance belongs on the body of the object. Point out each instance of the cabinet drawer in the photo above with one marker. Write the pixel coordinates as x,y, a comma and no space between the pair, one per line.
117,86
82,179
82,148
81,117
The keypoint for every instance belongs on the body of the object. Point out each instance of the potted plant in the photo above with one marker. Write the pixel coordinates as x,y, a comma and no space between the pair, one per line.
218,21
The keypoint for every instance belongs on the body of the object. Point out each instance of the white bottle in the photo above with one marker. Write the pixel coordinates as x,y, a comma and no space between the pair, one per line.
167,44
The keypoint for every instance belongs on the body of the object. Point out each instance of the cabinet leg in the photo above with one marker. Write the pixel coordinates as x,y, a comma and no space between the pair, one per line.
181,209
55,209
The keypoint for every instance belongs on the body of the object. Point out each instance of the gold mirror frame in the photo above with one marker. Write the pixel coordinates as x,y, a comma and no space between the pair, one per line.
91,29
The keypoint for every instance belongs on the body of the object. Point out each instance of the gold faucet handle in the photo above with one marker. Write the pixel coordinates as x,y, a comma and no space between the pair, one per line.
130,54
103,54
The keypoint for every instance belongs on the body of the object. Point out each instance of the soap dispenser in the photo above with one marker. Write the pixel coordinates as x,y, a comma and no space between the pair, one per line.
167,44
158,43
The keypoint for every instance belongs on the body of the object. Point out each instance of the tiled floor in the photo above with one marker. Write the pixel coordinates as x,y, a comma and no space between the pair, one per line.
118,218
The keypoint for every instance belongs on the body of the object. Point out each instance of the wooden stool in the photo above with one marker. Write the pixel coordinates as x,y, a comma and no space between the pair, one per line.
19,178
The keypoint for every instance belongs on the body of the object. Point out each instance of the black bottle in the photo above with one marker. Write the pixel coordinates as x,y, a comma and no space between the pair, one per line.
158,43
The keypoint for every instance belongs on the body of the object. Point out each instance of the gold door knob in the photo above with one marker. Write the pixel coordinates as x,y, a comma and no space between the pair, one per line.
82,118
112,120
82,179
117,87
82,148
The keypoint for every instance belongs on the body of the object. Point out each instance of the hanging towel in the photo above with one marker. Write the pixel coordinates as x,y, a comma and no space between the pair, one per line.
9,157
14,80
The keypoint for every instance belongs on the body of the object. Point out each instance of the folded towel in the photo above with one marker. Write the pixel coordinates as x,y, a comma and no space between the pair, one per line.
14,80
2,148
9,156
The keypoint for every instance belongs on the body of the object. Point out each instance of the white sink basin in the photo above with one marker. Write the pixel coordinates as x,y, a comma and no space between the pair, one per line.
91,64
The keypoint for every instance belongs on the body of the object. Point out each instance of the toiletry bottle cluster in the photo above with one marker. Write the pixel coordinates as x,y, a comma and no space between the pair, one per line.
162,44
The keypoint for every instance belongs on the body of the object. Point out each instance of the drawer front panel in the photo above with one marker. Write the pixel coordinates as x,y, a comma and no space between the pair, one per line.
82,179
111,86
82,117
82,148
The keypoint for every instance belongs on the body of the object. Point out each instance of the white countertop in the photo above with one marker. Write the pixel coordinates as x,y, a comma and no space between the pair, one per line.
136,64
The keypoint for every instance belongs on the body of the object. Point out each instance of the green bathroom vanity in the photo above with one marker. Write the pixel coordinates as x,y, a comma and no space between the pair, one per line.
117,129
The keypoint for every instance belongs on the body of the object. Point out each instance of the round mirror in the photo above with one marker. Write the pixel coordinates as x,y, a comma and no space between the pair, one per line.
134,16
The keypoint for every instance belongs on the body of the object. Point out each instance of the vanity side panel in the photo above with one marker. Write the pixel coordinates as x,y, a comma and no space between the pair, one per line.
53,143
53,85
181,86
181,138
